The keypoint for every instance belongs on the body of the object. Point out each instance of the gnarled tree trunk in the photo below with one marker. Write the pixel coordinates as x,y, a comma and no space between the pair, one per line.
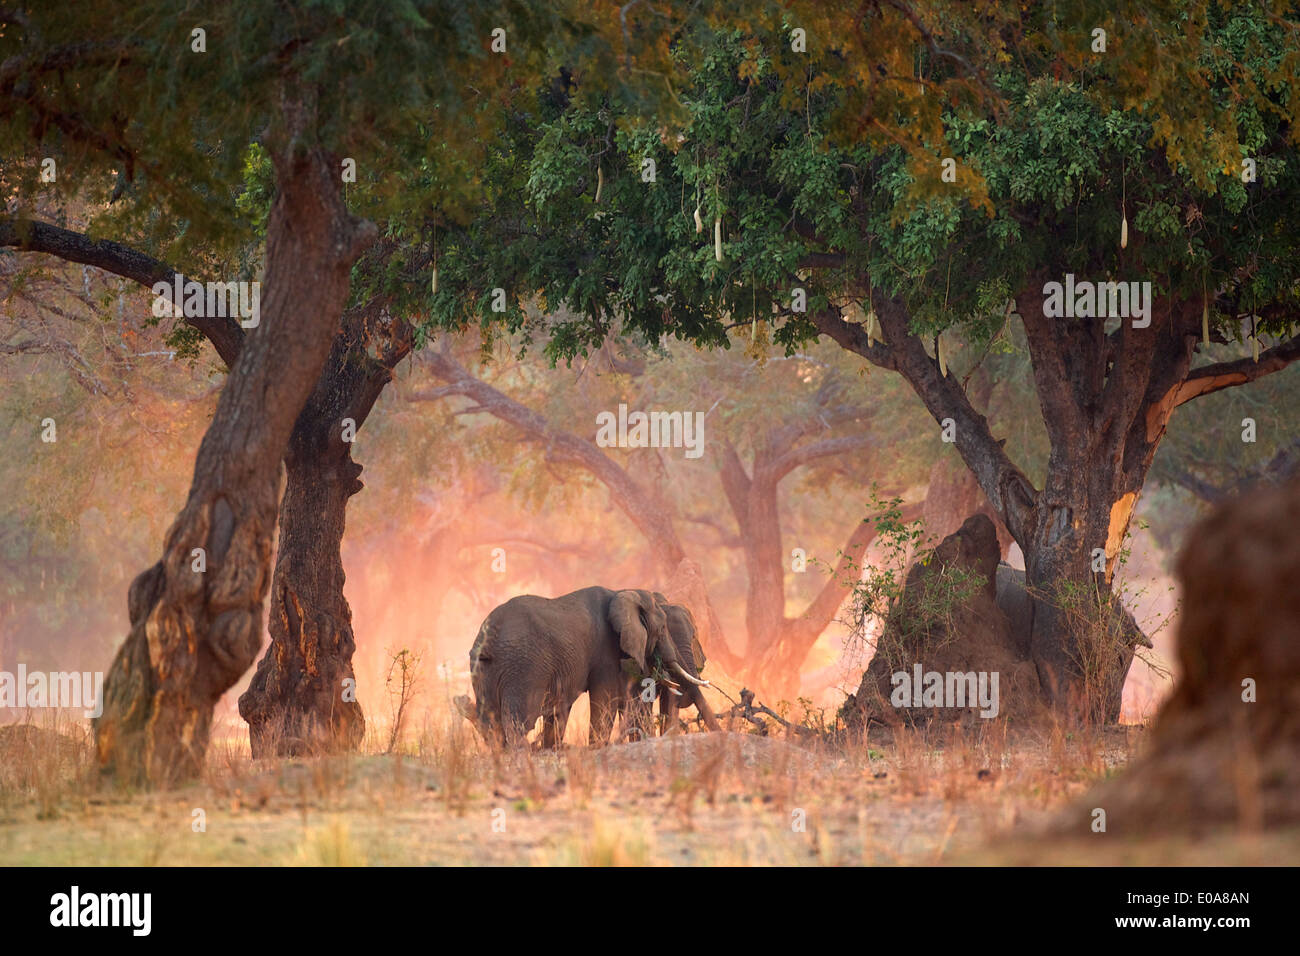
195,632
302,699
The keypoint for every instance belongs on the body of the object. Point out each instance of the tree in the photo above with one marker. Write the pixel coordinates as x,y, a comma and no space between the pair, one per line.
196,614
1058,172
805,424
1106,389
308,570
297,702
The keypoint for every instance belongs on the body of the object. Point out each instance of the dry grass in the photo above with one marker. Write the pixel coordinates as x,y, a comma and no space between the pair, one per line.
943,795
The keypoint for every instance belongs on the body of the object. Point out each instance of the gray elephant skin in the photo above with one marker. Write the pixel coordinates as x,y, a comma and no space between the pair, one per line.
534,656
682,629
1014,599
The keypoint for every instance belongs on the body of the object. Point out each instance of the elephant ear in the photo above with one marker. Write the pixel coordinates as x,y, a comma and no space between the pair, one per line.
697,649
625,617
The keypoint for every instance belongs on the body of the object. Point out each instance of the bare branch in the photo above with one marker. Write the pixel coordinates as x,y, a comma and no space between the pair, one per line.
29,235
648,515
1213,378
825,448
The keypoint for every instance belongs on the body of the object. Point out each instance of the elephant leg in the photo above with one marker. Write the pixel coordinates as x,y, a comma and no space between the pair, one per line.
668,709
605,707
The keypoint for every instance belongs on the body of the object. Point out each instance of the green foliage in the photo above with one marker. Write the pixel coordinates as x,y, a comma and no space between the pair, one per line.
1055,166
877,587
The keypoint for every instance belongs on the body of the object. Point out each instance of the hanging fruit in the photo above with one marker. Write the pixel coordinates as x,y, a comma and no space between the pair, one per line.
717,238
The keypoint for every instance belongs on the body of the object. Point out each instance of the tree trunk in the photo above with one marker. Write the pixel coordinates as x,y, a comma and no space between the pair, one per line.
1059,579
302,700
765,595
195,632
1107,400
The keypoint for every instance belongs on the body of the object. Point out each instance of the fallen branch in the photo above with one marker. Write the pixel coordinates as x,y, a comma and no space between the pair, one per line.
746,710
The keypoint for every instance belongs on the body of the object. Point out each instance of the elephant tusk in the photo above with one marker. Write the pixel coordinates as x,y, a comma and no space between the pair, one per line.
681,672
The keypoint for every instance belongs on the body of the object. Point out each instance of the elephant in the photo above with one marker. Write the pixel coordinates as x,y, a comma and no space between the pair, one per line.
1015,599
682,629
534,656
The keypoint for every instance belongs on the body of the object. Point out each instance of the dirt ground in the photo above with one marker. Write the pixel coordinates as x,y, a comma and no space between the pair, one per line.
720,799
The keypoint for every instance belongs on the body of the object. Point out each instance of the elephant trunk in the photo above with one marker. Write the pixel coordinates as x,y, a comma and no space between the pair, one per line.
710,720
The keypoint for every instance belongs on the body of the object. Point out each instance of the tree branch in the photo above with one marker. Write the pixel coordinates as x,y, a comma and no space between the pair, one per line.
632,500
1005,485
1213,378
825,448
29,235
851,336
